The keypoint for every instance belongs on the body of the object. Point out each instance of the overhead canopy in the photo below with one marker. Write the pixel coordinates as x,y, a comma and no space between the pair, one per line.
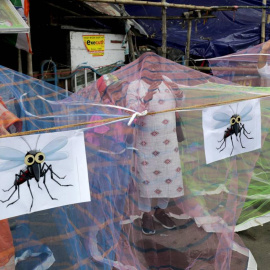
10,20
114,10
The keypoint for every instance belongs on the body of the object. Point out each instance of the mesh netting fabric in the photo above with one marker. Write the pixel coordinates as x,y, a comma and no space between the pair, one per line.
242,67
249,67
155,164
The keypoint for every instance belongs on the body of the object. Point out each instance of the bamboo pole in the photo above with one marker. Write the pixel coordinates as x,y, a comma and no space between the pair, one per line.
29,55
188,43
137,17
19,60
223,8
263,24
129,35
29,64
63,9
149,3
171,5
130,45
164,30
237,70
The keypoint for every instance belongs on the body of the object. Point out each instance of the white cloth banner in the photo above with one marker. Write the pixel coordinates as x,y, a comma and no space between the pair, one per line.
231,129
39,172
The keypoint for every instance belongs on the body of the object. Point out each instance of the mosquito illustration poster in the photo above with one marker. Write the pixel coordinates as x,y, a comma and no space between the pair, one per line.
231,129
39,172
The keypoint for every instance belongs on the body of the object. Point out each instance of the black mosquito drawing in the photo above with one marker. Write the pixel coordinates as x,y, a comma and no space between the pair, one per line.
236,127
36,167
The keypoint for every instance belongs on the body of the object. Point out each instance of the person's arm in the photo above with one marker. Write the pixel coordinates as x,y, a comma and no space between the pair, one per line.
176,90
263,58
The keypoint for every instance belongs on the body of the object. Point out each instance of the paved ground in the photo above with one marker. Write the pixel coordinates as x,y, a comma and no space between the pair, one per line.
178,248
258,241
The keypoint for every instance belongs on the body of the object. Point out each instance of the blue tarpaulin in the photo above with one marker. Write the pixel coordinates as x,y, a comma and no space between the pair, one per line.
229,32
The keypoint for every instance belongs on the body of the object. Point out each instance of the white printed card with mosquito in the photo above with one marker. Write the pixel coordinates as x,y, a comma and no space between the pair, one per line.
231,129
44,171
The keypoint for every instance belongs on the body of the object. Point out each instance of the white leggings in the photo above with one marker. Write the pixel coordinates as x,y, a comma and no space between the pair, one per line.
145,203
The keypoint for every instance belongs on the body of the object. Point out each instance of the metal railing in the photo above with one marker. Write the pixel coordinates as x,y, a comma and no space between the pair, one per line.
97,72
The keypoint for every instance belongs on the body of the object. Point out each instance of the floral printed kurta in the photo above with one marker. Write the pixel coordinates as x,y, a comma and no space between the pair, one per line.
157,163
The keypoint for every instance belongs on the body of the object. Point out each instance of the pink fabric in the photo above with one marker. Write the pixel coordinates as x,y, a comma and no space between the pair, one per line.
157,160
93,135
207,209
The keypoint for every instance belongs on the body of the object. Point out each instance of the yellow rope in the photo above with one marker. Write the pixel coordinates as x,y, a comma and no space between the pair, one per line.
63,127
209,104
129,116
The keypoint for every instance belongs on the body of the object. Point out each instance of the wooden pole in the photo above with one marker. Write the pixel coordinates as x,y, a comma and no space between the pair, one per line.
136,17
224,8
263,24
164,30
64,9
29,65
130,45
29,56
149,3
171,5
19,60
129,35
188,43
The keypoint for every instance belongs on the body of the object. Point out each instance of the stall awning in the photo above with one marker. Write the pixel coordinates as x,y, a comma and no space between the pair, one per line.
114,10
10,19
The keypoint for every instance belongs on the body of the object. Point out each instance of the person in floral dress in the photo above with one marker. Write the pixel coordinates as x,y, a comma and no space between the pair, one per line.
157,168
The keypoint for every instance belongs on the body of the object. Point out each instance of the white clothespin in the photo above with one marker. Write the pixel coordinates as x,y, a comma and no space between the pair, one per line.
144,113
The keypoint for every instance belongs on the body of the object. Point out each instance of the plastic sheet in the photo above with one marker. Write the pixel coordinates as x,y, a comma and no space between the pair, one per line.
8,121
203,201
229,32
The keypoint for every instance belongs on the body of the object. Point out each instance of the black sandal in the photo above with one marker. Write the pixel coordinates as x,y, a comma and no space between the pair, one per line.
148,226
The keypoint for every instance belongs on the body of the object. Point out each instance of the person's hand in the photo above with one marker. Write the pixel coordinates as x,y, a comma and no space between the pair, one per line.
266,47
154,86
149,95
151,91
179,94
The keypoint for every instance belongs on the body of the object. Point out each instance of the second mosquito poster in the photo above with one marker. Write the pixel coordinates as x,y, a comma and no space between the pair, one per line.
231,129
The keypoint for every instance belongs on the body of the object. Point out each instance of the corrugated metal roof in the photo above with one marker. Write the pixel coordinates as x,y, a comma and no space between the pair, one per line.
114,10
108,9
